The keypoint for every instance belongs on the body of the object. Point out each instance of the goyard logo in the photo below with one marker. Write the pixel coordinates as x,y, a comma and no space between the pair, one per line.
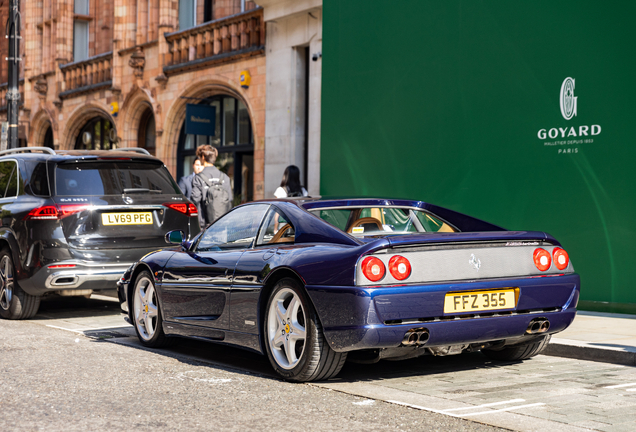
569,135
474,261
567,99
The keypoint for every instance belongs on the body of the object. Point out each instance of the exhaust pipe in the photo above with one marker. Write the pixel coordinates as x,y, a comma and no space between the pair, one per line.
538,325
410,338
423,337
417,336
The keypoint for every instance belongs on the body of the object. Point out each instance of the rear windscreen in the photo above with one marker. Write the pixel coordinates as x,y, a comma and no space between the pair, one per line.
113,178
382,220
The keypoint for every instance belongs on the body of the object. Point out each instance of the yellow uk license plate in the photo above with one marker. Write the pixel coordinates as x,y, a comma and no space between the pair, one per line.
140,218
479,301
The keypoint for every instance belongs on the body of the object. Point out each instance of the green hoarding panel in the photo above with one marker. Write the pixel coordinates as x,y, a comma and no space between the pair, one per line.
520,113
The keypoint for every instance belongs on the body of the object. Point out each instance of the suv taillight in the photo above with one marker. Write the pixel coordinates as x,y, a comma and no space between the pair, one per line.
187,209
55,212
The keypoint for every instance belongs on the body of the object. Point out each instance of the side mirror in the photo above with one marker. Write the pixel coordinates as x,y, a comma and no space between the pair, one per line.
175,237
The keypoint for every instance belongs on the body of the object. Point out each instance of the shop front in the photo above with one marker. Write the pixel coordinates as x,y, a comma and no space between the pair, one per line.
228,128
97,134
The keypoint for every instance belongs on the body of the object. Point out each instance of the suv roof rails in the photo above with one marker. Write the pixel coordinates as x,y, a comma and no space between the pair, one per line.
133,149
28,149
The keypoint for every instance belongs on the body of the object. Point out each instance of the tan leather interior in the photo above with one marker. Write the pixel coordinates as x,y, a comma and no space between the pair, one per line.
278,236
377,214
446,228
366,221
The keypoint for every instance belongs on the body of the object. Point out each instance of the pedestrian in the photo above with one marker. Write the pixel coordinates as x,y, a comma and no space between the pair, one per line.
290,185
185,183
211,188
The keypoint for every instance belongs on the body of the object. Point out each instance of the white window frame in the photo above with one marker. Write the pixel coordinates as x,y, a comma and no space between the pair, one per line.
193,16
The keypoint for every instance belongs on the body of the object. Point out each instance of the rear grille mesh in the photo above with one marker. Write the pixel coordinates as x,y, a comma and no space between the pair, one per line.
468,263
470,316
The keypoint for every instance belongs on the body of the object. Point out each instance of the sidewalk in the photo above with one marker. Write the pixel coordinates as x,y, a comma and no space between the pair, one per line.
603,337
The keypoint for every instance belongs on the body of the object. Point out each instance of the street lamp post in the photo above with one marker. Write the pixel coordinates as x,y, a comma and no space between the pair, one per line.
13,92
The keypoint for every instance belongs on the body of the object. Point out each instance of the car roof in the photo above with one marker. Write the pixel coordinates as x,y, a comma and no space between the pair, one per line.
361,202
65,155
323,202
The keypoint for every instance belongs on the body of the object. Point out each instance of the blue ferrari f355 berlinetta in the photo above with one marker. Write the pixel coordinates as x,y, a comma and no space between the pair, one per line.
311,283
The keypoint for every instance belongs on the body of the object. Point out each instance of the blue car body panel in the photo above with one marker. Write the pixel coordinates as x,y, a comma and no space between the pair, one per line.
221,297
364,311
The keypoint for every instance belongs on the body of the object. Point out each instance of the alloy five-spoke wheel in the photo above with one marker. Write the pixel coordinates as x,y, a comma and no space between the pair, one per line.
145,308
286,328
147,313
295,344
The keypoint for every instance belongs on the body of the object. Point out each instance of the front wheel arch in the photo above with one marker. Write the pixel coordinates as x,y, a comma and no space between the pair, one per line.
140,267
158,338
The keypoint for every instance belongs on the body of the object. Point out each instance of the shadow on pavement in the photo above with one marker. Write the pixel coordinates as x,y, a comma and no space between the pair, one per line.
193,351
72,307
421,366
243,361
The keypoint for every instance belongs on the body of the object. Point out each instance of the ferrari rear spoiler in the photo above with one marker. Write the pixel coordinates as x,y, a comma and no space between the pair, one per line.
512,237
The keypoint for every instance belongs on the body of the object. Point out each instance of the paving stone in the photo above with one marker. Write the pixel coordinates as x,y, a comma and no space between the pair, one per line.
623,427
591,424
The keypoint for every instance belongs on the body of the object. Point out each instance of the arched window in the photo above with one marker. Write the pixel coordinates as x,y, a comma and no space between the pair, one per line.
97,134
233,139
48,138
146,134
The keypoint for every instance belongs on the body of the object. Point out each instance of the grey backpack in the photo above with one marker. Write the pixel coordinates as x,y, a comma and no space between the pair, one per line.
291,194
216,200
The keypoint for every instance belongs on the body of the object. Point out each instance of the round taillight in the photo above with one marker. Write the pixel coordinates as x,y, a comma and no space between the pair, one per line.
561,258
399,267
542,259
373,269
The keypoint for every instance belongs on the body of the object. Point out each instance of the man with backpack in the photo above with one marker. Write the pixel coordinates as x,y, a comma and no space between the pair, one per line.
211,188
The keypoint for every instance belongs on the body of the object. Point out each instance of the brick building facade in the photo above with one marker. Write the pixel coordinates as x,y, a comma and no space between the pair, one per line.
119,73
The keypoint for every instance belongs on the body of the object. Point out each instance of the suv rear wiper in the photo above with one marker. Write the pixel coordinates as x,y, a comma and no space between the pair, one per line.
141,190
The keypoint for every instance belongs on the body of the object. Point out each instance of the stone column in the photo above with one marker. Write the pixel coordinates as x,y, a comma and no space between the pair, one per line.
122,24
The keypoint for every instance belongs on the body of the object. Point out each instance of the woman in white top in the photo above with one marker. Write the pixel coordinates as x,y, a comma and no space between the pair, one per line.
290,185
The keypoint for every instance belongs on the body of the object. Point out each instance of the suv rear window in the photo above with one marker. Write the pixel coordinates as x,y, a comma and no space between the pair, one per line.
113,178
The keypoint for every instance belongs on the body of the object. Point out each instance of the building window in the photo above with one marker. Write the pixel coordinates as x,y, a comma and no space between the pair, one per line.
146,134
48,138
80,31
97,134
187,14
208,14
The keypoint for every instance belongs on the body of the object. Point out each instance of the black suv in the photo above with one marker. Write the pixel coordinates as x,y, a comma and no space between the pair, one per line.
74,221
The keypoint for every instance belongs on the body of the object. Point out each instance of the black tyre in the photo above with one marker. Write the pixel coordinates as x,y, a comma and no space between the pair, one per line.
146,313
518,352
295,344
15,303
